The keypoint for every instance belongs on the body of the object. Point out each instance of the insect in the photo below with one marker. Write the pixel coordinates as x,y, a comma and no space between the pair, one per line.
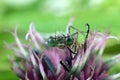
69,40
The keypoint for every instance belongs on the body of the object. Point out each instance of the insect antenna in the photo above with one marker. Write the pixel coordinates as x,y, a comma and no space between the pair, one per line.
87,31
85,44
67,63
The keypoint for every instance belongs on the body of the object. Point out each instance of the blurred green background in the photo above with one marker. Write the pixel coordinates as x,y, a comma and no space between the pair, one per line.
51,16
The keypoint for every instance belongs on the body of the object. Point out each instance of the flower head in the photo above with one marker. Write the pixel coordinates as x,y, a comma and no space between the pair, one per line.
38,61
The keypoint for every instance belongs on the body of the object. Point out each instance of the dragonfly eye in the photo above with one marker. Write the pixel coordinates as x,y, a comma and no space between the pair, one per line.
51,42
69,40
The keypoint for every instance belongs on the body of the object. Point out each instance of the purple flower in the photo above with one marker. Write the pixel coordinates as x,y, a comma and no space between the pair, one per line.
38,61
